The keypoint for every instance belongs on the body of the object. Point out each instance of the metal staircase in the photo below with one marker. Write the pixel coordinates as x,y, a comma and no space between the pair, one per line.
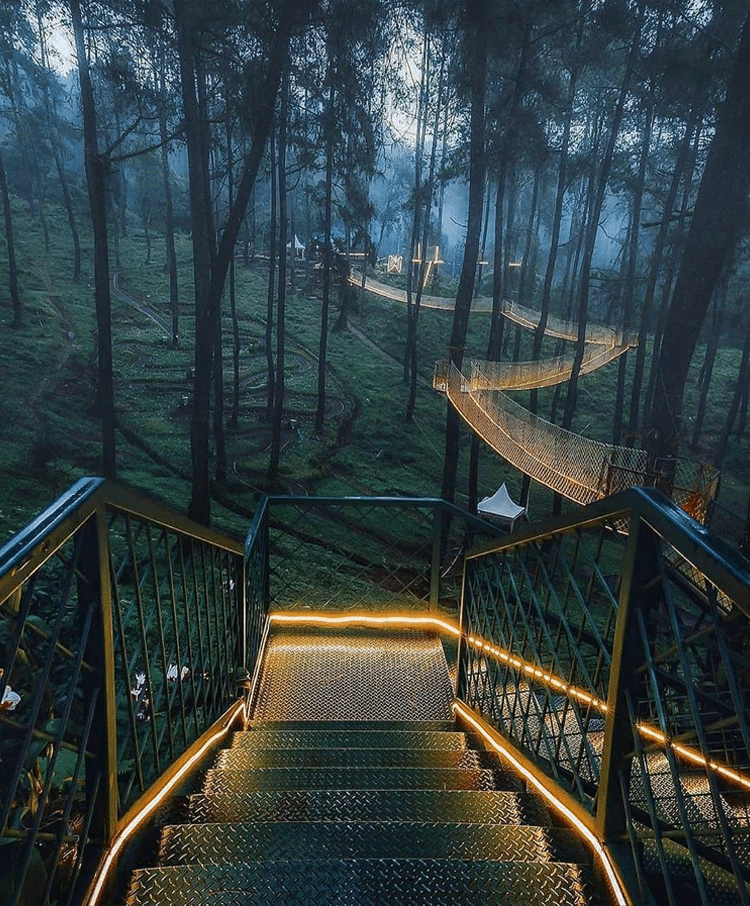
351,785
275,719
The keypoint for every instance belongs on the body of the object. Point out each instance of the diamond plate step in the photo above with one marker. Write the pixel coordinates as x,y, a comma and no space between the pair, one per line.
353,726
354,674
229,843
473,806
356,739
244,759
413,882
333,778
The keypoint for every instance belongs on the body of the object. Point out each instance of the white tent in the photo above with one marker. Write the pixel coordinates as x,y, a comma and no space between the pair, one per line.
500,506
299,247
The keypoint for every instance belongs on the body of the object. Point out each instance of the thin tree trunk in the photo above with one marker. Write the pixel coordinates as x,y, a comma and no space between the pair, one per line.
289,14
95,178
271,304
743,377
426,218
168,206
628,296
704,382
11,247
593,225
476,38
278,409
320,413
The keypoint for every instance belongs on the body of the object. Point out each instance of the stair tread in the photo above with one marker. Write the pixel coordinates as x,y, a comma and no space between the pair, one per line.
502,806
327,725
417,882
346,778
264,841
358,739
244,758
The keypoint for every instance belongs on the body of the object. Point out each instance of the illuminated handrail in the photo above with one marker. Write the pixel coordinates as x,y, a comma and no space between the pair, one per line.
616,671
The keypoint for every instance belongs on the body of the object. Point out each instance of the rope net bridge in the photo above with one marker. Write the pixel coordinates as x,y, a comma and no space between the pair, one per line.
578,468
581,469
443,303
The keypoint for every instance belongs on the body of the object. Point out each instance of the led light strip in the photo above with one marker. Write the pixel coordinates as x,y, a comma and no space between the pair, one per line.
617,888
365,619
549,679
121,836
531,670
650,732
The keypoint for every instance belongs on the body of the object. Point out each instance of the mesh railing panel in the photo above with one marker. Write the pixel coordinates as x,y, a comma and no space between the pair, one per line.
176,605
543,662
111,617
549,608
52,692
371,554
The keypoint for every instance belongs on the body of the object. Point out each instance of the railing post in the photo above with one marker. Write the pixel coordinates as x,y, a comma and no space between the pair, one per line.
437,535
640,567
94,585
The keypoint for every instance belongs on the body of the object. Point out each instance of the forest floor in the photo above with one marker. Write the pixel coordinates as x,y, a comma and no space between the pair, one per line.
51,436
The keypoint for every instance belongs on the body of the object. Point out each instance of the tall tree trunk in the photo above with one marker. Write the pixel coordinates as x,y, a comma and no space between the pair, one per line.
202,237
593,225
416,255
562,179
95,178
320,413
657,258
719,212
629,293
289,14
168,207
426,219
278,408
11,247
271,297
707,369
476,39
234,417
499,259
743,378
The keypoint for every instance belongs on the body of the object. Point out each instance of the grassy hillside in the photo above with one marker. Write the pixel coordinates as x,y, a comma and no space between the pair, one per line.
50,435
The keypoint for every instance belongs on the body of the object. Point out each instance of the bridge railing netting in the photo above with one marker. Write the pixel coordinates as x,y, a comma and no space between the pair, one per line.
620,668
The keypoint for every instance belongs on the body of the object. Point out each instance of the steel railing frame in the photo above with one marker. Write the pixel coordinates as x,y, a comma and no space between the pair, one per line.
664,667
125,631
443,525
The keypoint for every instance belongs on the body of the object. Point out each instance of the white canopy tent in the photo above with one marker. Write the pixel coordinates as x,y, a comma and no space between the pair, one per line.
299,247
500,506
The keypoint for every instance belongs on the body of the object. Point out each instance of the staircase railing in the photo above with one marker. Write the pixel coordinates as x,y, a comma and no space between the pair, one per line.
610,647
619,668
371,553
122,628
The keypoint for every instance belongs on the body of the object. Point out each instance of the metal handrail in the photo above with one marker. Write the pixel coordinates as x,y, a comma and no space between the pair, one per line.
125,628
616,664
